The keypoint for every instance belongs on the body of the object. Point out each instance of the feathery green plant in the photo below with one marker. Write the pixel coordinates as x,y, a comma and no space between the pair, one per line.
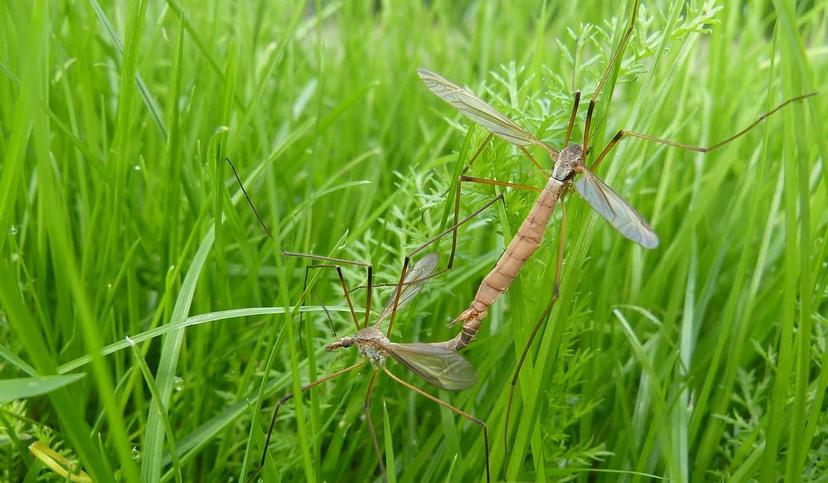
703,359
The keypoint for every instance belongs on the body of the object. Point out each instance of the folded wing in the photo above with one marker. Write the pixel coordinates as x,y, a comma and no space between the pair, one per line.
476,109
443,368
414,281
615,210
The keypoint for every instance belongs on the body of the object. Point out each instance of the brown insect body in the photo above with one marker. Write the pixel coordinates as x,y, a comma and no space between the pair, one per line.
370,342
527,240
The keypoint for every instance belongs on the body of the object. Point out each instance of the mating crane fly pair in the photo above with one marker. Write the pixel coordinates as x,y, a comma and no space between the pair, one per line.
439,363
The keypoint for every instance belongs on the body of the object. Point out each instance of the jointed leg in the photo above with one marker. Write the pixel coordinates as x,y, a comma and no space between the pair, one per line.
287,398
572,118
452,409
699,149
342,283
366,407
477,153
615,57
407,260
335,263
538,324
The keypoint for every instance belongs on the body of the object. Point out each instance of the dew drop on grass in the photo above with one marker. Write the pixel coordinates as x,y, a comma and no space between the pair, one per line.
136,453
137,167
13,230
178,383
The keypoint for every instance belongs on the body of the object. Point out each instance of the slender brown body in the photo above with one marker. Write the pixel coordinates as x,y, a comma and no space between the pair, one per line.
520,249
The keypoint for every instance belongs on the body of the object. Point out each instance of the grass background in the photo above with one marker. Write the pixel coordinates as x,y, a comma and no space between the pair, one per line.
701,360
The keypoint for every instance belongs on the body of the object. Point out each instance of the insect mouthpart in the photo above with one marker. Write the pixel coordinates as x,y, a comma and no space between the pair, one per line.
344,342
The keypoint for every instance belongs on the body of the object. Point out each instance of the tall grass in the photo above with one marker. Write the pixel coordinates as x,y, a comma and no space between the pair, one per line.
701,360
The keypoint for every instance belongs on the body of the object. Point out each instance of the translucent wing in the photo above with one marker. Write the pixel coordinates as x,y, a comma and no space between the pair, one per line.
615,210
416,277
440,367
476,109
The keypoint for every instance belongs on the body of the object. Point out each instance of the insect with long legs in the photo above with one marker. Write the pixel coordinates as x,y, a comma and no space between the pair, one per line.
568,163
440,367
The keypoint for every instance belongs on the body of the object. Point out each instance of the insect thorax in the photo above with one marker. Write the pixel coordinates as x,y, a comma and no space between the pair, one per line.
375,354
567,161
371,343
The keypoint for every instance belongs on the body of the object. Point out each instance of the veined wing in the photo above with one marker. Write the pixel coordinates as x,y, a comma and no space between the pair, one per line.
615,210
440,367
477,109
416,277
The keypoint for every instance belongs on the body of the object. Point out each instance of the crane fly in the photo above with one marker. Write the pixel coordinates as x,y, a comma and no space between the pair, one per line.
440,367
569,163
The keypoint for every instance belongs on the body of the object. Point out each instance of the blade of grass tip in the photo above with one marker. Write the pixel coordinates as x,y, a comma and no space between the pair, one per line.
143,89
206,53
218,142
172,187
267,73
151,464
681,413
799,80
390,464
16,361
214,152
777,423
61,244
162,411
458,169
195,320
23,388
450,471
447,421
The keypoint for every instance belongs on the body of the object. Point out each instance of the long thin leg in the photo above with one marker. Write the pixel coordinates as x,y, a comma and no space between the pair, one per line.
615,57
452,409
700,149
407,260
471,179
366,407
453,230
466,168
538,324
342,283
287,398
617,54
572,116
477,153
343,261
249,202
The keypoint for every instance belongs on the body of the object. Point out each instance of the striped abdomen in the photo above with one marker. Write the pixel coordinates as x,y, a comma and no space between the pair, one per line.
522,246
